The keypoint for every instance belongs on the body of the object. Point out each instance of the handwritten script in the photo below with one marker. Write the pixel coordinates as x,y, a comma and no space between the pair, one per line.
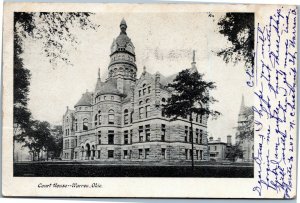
274,80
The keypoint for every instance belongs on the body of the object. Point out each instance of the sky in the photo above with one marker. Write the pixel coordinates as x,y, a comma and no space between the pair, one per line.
163,42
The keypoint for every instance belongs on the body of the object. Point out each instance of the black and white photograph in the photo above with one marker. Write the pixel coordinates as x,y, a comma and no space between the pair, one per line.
149,100
137,95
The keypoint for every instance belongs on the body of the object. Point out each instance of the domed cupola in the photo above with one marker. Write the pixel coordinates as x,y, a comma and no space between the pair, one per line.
122,57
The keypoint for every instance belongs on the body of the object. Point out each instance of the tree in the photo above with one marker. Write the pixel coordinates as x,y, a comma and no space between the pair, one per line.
233,152
54,30
189,97
38,138
239,30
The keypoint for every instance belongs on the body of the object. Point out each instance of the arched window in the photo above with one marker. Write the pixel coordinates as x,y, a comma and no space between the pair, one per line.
144,89
126,116
141,102
76,125
96,119
100,117
163,100
197,118
67,120
85,124
147,101
141,112
111,117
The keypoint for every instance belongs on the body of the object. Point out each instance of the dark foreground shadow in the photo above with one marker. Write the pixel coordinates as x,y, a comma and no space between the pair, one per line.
92,170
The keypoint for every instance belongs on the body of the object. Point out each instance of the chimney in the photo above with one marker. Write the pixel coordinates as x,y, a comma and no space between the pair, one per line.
211,139
219,139
229,140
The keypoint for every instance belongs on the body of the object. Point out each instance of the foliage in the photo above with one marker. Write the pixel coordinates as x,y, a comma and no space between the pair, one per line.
190,96
233,152
239,30
54,29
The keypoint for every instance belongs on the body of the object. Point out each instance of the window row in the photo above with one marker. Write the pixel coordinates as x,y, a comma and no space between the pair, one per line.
144,135
198,136
73,144
145,90
198,154
104,98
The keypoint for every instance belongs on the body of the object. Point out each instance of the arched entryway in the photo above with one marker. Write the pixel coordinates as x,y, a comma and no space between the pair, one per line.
88,151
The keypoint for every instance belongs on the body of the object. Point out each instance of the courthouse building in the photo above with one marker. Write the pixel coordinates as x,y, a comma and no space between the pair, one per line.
122,118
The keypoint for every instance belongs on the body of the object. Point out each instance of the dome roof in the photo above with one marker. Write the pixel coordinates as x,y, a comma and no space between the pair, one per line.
122,42
85,100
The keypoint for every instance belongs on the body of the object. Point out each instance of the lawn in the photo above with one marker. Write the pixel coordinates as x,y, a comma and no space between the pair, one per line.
88,169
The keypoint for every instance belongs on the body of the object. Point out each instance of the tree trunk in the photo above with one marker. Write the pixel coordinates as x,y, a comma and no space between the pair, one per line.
192,135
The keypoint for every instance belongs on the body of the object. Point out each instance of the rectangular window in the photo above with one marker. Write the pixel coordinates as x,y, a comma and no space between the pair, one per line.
75,142
111,136
110,153
186,154
99,154
186,132
197,154
126,137
72,143
190,135
208,147
163,153
111,119
140,93
147,132
99,137
215,148
144,91
131,135
130,154
125,154
126,119
201,154
197,135
147,111
201,136
191,154
140,153
76,155
141,112
200,116
141,137
149,89
163,132
147,152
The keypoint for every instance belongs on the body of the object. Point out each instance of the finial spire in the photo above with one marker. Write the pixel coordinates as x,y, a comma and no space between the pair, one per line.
123,26
144,69
98,73
193,56
242,103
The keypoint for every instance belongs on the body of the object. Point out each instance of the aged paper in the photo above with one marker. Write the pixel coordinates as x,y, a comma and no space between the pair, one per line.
149,100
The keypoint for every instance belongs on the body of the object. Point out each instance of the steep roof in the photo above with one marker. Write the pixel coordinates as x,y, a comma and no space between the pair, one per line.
109,87
85,100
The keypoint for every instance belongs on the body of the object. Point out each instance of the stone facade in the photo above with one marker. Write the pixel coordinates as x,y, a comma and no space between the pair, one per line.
122,120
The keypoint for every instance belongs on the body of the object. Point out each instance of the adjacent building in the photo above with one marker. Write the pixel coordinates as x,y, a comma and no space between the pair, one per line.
122,120
245,134
218,149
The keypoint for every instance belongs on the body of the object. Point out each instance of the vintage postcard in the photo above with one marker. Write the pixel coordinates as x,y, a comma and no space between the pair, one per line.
149,100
